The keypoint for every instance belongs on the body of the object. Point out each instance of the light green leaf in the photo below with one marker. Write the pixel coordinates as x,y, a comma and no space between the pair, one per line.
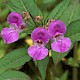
58,11
14,75
14,59
42,66
26,5
72,13
73,31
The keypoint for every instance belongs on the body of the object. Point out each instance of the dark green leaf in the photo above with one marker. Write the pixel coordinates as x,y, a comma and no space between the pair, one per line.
64,76
42,66
14,75
14,59
71,61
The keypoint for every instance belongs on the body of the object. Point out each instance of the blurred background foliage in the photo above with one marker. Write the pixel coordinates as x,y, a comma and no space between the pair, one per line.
67,69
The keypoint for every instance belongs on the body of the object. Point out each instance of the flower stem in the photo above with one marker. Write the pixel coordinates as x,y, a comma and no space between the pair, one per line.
75,71
55,66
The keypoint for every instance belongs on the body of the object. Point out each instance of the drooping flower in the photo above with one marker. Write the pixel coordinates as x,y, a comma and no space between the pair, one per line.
40,36
57,29
14,18
11,34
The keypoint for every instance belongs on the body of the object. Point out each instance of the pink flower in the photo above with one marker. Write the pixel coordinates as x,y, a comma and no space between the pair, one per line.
62,45
57,29
11,34
40,36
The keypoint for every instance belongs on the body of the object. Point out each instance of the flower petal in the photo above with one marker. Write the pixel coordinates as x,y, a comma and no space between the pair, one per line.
56,26
37,53
14,18
9,35
62,45
40,34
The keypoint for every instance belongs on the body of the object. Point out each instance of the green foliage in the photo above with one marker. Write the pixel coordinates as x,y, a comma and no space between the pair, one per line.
72,62
42,66
72,13
58,11
64,76
14,59
14,75
57,56
73,31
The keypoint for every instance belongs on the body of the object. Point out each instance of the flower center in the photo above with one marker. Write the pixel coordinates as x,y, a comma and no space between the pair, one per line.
57,35
39,42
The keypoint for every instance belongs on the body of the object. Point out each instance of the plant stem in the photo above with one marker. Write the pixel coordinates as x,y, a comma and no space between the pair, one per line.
55,66
48,71
75,71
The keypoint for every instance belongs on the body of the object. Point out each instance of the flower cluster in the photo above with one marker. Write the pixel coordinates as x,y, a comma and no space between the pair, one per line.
11,34
41,37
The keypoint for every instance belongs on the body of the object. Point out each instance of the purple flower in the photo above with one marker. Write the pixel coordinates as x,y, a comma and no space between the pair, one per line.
56,26
57,29
40,36
14,18
9,35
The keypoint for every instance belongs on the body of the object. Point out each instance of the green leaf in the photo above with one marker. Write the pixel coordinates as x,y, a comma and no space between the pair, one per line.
42,66
26,5
58,11
14,75
14,59
73,31
64,76
72,13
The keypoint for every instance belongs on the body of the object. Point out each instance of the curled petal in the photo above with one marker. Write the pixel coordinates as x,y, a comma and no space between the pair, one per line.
9,35
14,18
40,34
56,26
37,53
62,45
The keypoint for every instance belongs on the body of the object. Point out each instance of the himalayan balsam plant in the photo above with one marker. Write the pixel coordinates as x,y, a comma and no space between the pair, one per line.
52,35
